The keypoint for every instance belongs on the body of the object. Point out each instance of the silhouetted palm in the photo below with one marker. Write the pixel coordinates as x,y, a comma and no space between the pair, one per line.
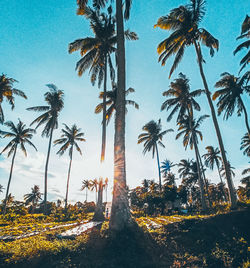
111,102
86,184
185,166
152,137
189,129
230,95
222,170
7,91
170,179
166,166
245,32
245,144
68,140
54,99
184,22
212,157
182,99
1,188
20,136
33,197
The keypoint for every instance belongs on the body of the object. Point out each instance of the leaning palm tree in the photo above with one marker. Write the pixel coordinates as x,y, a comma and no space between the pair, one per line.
111,102
182,100
68,140
184,22
245,32
86,184
7,91
245,144
152,137
54,99
20,136
212,157
33,197
230,95
190,130
96,55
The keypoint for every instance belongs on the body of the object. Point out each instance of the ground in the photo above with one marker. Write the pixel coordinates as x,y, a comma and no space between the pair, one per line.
164,241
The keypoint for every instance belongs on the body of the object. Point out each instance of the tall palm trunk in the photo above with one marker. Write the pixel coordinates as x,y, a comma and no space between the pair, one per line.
104,112
67,188
158,163
8,186
86,194
233,198
203,201
46,172
98,216
223,189
246,116
120,213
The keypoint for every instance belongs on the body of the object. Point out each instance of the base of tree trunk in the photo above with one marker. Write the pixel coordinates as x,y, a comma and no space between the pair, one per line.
98,216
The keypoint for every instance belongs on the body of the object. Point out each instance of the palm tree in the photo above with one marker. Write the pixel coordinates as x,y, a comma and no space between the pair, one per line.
7,91
94,186
33,197
245,32
1,188
245,144
145,183
152,137
185,166
212,157
111,103
182,99
189,129
230,95
68,140
222,170
54,99
20,135
86,184
170,179
166,167
184,22
106,188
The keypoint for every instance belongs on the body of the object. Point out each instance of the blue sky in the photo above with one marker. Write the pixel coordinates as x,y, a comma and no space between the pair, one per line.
34,41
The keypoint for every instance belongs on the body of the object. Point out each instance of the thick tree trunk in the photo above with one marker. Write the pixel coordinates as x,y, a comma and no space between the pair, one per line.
98,216
104,112
232,194
67,188
158,164
46,172
120,213
246,117
8,186
203,201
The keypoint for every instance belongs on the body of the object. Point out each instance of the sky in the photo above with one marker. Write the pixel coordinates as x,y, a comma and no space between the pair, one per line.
34,50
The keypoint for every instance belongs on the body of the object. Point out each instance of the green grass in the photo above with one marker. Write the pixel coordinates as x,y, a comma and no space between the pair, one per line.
165,241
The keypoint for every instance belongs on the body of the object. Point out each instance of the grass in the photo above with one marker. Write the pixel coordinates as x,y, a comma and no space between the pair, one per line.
165,241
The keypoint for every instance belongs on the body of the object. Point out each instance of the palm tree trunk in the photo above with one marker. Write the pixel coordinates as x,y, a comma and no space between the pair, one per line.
86,194
246,117
158,163
67,189
8,186
203,201
46,172
104,112
120,213
98,216
233,198
221,181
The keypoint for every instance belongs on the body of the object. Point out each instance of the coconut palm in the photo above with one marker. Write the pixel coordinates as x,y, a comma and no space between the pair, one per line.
33,197
185,166
170,179
54,99
106,182
245,32
230,95
184,22
111,102
86,184
100,185
189,129
68,141
245,144
94,187
166,166
7,91
152,137
182,100
212,158
20,136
